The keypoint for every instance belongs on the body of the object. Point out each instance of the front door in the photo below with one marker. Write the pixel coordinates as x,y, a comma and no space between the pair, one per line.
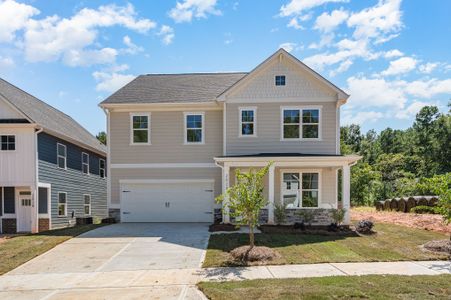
24,212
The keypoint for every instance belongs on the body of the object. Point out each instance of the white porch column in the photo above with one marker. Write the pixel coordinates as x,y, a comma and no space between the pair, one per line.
271,194
225,186
346,190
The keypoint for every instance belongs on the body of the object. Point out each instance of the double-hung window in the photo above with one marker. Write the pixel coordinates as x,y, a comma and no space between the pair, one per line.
102,168
280,80
8,142
87,204
301,123
140,129
61,156
62,204
248,118
194,128
85,162
300,190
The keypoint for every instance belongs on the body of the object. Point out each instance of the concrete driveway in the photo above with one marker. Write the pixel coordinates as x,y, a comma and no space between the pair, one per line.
120,259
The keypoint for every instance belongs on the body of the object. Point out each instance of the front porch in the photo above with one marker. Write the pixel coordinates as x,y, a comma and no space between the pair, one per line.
302,183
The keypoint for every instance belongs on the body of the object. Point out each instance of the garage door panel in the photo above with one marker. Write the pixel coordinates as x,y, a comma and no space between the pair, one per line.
167,202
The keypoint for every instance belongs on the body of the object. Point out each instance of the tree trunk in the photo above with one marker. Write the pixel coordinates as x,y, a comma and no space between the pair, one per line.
251,236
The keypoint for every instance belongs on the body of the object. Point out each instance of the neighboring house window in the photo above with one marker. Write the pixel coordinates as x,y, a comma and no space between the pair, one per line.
280,80
62,204
194,128
102,168
8,142
140,129
87,204
301,123
300,190
85,162
62,154
247,121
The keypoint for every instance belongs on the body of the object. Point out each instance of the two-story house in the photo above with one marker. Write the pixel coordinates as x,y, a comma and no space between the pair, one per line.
176,140
52,170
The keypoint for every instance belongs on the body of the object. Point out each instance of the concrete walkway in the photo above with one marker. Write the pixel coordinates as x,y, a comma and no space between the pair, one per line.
180,283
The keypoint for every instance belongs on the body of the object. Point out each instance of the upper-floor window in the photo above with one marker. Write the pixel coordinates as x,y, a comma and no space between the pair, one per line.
194,128
87,204
62,155
85,162
280,80
247,121
140,129
102,168
301,123
8,142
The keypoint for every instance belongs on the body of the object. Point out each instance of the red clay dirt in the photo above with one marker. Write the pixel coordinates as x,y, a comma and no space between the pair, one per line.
422,221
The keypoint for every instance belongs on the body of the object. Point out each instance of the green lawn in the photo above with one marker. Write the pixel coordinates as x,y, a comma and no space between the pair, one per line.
339,287
391,243
20,249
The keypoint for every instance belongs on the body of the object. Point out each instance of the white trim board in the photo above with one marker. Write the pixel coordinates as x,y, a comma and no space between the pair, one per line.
163,166
132,181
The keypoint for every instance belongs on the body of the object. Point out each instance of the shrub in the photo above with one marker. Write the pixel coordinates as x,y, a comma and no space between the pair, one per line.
307,216
280,213
338,215
423,209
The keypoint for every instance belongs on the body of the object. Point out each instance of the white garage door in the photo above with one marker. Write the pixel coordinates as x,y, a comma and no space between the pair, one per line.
175,201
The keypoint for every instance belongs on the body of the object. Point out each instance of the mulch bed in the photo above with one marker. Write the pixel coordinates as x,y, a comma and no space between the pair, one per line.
439,246
412,220
222,227
316,230
254,254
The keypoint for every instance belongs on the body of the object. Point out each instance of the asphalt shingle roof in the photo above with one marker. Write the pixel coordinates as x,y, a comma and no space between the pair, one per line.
47,116
173,88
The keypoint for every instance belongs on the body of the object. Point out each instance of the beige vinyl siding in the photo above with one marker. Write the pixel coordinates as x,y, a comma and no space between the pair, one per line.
268,128
328,184
167,139
181,173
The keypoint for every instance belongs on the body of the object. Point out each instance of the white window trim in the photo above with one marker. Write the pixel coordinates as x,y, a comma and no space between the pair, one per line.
82,163
240,132
301,108
84,204
58,156
65,205
15,143
185,136
148,128
100,168
301,171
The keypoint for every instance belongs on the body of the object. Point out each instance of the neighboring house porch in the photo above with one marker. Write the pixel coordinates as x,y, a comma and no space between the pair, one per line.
300,182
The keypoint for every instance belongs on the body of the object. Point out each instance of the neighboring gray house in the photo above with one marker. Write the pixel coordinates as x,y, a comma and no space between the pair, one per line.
52,170
176,140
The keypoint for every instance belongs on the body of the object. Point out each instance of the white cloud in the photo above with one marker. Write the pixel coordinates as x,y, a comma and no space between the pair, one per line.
13,17
411,110
428,67
186,10
344,66
288,46
328,22
295,24
6,62
74,39
132,48
361,117
111,82
427,89
167,34
377,21
400,66
326,39
297,7
393,53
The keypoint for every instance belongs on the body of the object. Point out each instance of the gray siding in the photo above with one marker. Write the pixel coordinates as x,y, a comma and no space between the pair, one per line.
268,128
167,138
72,181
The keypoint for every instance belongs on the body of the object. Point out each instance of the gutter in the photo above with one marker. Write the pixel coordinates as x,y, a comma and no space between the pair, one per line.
35,226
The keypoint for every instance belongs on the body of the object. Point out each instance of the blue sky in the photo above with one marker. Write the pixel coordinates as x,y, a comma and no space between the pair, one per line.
392,56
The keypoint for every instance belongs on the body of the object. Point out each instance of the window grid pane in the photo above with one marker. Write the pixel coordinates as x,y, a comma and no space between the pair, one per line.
194,128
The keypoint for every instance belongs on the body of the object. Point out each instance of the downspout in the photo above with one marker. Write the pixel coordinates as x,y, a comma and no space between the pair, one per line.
35,226
108,171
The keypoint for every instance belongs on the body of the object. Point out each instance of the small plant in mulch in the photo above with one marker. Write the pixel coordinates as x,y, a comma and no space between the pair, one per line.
245,254
364,227
443,246
280,213
307,216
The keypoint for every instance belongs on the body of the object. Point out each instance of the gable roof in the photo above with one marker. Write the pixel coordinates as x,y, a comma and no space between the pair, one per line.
174,88
198,87
48,117
283,53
